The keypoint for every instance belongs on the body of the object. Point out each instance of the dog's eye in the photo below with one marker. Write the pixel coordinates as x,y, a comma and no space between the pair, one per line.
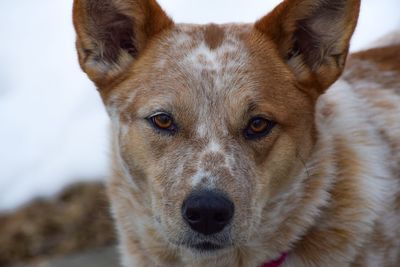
163,121
258,127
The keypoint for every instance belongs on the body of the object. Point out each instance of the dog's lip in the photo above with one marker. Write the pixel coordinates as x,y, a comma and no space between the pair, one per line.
206,246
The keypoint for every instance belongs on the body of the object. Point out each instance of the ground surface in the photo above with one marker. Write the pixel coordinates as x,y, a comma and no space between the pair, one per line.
77,220
102,257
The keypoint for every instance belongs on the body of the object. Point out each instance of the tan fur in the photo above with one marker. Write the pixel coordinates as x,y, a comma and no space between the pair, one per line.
323,186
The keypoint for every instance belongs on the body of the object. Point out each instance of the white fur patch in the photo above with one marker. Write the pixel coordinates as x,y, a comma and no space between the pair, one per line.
213,146
201,130
210,57
198,177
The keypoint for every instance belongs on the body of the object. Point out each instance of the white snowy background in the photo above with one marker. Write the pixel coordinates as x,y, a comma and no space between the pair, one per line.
53,128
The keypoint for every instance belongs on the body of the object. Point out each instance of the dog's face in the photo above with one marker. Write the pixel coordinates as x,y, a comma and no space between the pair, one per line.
226,118
212,122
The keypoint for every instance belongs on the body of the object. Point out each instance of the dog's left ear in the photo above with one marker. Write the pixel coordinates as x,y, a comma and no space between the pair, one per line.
312,37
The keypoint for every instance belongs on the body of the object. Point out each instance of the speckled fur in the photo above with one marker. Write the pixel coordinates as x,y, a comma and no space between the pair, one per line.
323,186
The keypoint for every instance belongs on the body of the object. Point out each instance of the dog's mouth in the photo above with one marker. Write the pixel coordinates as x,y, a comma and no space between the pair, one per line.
206,247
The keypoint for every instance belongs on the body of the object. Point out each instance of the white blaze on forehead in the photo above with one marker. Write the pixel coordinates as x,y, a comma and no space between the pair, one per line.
203,56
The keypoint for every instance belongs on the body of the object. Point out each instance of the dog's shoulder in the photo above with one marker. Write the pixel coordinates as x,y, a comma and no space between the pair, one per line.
374,75
364,105
358,122
367,96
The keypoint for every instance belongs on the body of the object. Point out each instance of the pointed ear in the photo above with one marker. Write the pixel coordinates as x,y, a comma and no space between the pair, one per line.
312,37
112,33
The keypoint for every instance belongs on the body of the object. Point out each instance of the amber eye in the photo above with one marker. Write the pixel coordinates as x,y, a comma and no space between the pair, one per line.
163,121
258,127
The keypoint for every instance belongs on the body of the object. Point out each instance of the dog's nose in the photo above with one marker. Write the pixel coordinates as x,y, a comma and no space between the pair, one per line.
207,212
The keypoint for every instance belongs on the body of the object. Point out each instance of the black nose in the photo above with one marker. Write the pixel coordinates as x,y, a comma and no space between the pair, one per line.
207,212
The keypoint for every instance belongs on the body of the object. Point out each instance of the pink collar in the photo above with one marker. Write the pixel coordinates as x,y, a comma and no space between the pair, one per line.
276,263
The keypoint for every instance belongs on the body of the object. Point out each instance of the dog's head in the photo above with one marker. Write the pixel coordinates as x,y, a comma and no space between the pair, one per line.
212,122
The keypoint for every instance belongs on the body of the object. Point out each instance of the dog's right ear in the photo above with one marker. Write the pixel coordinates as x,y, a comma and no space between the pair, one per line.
112,33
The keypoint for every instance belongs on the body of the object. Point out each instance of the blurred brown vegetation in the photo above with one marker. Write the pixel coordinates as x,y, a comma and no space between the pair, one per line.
78,219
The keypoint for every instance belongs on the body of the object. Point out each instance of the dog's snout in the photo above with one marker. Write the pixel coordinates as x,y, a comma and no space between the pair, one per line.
207,212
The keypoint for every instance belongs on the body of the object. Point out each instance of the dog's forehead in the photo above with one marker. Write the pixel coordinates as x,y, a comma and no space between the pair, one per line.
214,36
218,72
207,63
210,45
211,58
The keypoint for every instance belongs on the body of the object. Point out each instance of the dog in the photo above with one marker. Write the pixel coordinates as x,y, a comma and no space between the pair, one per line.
243,144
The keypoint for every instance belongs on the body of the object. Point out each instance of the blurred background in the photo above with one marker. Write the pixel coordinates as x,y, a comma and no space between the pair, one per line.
54,129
